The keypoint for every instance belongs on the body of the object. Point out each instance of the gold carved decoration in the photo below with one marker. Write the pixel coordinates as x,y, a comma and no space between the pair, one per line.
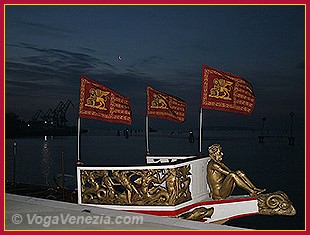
221,89
159,102
197,214
97,99
276,203
136,187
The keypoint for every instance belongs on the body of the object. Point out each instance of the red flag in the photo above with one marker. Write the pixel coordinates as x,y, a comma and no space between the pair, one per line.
227,92
161,105
102,103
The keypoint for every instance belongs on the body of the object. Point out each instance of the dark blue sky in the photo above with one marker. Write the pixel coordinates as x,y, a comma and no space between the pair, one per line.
48,47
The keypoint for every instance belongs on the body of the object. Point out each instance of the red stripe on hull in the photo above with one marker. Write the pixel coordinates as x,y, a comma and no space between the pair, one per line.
187,208
243,215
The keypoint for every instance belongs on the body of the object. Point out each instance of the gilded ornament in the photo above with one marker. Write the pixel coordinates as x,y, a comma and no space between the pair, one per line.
197,214
136,187
276,203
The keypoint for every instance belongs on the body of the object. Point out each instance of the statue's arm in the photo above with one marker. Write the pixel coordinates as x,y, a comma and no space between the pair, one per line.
221,169
226,167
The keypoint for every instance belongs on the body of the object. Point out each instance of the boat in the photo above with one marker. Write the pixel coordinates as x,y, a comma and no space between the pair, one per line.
173,186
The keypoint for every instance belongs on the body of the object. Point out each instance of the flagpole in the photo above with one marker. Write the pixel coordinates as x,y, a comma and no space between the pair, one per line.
147,135
78,139
200,130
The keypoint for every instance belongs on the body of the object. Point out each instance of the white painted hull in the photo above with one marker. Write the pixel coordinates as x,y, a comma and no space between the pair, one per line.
230,208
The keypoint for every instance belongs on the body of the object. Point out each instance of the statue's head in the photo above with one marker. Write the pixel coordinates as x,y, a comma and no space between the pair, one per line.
215,152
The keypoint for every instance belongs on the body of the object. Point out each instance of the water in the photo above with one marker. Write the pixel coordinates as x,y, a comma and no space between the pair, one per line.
274,165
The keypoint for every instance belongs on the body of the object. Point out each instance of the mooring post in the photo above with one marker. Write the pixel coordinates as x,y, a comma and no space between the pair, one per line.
63,176
291,138
261,136
191,137
14,165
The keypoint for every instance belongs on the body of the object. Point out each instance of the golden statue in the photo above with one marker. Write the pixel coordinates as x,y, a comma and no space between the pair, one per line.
107,183
222,180
125,182
88,177
147,182
152,191
172,185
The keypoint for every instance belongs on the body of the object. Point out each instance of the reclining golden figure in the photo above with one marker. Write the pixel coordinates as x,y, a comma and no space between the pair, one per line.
222,180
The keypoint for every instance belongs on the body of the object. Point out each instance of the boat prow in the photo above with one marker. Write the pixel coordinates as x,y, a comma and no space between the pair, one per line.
174,186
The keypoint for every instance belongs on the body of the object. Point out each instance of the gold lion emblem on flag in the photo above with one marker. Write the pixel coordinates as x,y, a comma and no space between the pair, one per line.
159,102
97,99
221,89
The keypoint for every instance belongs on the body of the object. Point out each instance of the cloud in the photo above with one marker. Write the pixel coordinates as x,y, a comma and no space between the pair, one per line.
55,66
52,62
45,75
86,49
151,60
148,61
43,29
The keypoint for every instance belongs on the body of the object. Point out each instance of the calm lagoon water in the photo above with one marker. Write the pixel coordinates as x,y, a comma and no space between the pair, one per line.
273,165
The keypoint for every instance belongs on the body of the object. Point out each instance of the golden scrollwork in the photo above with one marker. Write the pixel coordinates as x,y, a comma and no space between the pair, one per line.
159,102
89,185
136,187
197,214
97,99
276,203
221,89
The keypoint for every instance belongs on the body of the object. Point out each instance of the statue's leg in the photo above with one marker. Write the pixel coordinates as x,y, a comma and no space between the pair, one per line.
229,184
227,187
243,176
128,196
172,197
